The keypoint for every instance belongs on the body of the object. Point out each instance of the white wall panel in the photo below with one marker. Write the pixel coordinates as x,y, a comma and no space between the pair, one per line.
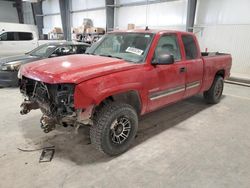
224,26
160,15
211,12
98,17
8,13
233,39
129,1
84,4
51,6
51,21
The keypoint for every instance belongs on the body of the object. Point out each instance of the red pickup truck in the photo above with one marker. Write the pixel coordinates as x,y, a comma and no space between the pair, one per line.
123,75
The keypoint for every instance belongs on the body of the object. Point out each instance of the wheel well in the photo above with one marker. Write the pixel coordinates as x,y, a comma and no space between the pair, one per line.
131,97
220,73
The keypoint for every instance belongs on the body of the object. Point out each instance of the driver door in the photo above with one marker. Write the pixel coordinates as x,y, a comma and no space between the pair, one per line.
169,80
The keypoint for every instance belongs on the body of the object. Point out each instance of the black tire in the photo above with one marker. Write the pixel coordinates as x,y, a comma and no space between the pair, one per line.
213,95
113,123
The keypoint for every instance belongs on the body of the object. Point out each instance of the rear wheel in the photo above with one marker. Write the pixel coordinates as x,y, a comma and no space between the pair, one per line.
213,95
114,129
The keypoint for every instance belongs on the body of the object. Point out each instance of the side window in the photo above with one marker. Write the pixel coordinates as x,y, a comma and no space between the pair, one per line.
7,36
64,50
80,49
169,44
190,47
25,36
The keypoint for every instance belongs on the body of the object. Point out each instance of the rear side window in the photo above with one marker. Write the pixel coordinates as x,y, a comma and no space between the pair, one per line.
190,47
16,36
7,36
25,36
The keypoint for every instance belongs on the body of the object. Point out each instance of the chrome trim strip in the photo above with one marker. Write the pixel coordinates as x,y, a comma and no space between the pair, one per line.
171,91
193,85
167,92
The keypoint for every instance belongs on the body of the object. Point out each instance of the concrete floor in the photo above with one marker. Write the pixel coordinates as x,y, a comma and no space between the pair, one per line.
188,144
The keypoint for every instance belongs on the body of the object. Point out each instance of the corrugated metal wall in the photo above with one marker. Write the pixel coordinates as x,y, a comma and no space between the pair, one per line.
79,13
52,17
170,14
233,39
8,13
225,26
97,16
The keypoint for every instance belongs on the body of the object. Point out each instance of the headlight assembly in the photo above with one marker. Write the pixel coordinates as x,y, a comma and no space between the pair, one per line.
12,66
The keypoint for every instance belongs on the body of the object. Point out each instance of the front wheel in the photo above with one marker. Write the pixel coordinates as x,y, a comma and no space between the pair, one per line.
114,128
213,95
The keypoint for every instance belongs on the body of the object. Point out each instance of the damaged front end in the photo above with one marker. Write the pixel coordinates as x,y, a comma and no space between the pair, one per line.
56,101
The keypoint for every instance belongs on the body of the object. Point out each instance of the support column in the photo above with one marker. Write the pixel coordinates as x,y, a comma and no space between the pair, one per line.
38,17
191,8
19,7
110,10
65,17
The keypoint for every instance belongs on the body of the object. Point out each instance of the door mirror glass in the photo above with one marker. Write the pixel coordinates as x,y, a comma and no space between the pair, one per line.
163,59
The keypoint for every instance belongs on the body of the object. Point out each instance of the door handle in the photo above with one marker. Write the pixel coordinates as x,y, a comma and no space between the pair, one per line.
183,69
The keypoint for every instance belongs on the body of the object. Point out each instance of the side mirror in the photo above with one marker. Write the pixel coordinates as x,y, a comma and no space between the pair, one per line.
164,59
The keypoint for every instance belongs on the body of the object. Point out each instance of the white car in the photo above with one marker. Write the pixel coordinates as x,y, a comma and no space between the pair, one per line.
16,39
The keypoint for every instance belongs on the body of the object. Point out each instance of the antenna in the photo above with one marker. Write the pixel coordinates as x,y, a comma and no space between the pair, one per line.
146,17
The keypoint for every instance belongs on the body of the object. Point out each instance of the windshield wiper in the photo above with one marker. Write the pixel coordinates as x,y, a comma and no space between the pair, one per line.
108,55
88,53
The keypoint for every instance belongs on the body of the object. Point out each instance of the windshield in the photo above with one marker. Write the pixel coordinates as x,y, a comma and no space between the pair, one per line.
43,50
128,46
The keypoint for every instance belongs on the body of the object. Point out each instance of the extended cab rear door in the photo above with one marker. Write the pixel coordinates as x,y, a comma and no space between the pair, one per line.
194,64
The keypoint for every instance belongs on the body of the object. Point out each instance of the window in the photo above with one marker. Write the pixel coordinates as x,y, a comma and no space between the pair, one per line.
7,36
15,36
43,51
65,50
169,44
81,49
25,36
190,47
131,47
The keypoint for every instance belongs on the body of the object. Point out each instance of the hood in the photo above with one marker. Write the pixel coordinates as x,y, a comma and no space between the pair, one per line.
22,58
74,68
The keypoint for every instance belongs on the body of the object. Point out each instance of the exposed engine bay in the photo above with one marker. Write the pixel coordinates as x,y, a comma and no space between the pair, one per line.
56,101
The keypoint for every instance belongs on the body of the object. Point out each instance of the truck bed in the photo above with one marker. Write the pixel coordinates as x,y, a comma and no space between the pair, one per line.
214,62
209,54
